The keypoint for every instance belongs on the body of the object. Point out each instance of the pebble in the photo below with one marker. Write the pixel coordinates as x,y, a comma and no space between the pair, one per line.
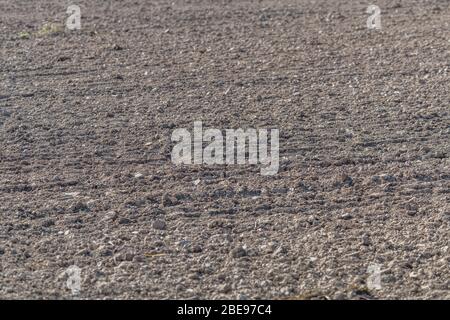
129,256
376,179
388,178
224,288
124,221
71,194
346,216
166,201
83,252
365,240
48,223
238,252
195,249
104,252
159,225
111,215
279,251
347,181
79,206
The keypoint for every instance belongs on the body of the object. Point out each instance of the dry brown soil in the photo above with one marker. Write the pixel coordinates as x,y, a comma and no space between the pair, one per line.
86,178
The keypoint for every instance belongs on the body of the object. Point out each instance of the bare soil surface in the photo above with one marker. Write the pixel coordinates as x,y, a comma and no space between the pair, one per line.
86,178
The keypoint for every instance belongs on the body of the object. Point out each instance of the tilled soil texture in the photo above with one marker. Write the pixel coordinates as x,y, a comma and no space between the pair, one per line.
86,177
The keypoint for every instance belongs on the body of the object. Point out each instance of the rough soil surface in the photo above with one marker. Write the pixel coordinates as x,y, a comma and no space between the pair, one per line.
86,178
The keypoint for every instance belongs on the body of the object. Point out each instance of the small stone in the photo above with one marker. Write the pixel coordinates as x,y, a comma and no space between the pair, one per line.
410,213
139,258
302,186
124,221
279,251
62,58
79,206
184,243
117,47
238,252
71,194
83,252
104,252
388,178
194,276
196,249
166,201
340,296
48,223
346,216
111,215
224,288
347,181
285,291
138,175
159,225
129,256
376,179
119,257
366,240
280,190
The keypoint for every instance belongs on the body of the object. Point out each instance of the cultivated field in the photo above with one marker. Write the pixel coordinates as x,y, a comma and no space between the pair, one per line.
86,177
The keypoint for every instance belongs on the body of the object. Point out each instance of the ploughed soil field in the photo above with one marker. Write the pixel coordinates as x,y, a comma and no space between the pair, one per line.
86,177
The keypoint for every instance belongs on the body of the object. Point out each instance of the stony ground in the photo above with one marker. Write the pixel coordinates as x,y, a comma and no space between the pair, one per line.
86,178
